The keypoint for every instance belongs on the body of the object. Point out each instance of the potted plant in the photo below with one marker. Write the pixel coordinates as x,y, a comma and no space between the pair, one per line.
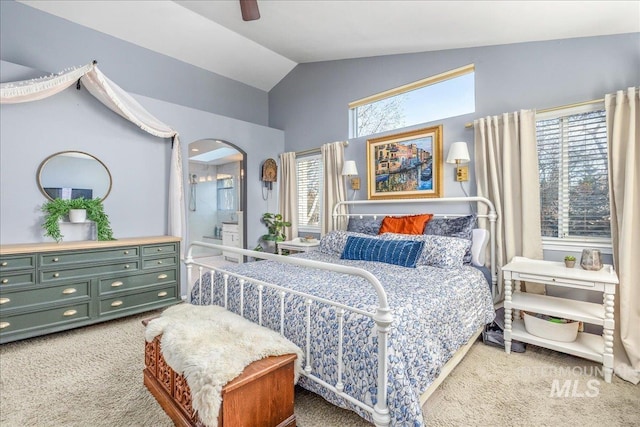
570,261
276,226
56,210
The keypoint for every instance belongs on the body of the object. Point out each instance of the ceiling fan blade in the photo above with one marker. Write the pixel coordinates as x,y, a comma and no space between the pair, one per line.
249,9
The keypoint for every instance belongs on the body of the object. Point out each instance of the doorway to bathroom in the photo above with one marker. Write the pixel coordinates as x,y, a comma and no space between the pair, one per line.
216,198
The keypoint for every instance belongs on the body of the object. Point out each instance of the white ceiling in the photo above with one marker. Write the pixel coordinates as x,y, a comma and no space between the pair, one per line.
213,36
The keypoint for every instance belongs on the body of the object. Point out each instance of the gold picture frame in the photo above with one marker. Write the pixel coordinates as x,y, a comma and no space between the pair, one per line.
405,165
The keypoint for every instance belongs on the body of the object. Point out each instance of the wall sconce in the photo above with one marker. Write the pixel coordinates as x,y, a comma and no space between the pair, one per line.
350,170
459,153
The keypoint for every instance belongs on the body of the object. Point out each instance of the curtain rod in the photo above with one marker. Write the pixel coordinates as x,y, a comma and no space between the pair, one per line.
315,150
562,107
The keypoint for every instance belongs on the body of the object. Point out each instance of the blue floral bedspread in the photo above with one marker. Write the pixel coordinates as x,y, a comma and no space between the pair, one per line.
435,312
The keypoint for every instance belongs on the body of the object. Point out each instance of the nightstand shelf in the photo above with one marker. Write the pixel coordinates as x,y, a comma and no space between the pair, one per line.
589,346
559,307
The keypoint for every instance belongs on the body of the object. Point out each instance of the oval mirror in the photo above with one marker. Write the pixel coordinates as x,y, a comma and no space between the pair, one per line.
73,174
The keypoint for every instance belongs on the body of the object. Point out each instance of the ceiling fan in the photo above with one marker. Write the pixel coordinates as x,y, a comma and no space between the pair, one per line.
249,9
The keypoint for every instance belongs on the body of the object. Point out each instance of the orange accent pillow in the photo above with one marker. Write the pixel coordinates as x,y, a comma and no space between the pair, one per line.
410,224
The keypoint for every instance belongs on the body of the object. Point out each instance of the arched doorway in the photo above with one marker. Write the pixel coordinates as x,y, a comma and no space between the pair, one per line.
216,197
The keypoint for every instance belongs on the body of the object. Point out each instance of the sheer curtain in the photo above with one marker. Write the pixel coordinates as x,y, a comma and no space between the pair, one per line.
288,192
333,188
623,130
506,163
123,104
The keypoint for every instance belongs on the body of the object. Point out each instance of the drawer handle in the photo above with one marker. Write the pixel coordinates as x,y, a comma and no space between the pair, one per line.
162,276
55,260
162,294
4,263
4,300
159,262
116,303
126,266
70,313
4,325
159,249
56,274
126,252
5,281
116,284
69,291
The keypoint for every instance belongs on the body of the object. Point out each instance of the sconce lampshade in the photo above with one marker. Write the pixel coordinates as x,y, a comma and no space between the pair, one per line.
349,168
458,153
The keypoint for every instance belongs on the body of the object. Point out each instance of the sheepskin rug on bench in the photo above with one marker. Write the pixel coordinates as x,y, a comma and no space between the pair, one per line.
210,346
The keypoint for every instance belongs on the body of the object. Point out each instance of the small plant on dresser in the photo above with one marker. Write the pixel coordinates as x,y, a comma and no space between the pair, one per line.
56,210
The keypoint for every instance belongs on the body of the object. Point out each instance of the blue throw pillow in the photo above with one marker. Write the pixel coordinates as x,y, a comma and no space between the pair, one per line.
399,252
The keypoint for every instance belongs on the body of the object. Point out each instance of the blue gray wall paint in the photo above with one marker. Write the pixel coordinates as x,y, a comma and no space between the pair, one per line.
138,162
45,42
310,103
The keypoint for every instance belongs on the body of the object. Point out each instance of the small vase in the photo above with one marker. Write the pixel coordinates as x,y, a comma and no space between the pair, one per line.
570,264
77,215
591,259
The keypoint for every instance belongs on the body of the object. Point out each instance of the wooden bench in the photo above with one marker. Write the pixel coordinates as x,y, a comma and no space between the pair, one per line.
262,396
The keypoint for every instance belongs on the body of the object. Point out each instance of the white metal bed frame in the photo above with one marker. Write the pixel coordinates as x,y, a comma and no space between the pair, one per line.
382,316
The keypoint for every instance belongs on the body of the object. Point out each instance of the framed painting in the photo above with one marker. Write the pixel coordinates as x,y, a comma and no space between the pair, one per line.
405,165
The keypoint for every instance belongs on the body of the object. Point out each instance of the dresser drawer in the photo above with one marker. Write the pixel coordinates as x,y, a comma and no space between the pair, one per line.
17,279
158,262
67,292
17,262
51,317
550,280
53,276
70,258
169,248
127,302
125,283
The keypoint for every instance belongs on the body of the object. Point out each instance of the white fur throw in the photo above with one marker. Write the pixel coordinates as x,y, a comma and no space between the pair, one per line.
210,346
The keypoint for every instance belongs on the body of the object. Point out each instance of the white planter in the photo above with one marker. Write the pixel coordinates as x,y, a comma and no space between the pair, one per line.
77,215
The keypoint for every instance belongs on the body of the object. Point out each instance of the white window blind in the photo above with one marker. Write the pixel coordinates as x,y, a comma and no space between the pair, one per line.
574,189
309,193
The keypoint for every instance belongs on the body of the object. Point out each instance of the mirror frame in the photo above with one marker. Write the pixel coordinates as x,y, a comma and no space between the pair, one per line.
45,161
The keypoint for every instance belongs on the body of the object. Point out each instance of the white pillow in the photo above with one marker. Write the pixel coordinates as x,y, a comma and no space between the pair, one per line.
479,242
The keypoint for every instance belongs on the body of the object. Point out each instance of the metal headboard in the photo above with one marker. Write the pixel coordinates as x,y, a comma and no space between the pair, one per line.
490,215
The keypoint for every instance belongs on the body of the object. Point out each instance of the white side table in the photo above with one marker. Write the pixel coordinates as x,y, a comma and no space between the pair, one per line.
588,346
297,245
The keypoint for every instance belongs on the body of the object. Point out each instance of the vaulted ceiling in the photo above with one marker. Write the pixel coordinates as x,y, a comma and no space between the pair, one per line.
213,36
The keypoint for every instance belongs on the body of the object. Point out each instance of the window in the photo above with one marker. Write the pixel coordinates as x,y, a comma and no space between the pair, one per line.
445,95
574,188
309,176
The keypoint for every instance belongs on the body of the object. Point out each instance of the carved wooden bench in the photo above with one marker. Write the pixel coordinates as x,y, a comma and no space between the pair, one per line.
262,396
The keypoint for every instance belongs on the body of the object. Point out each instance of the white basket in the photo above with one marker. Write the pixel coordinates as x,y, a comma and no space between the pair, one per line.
565,332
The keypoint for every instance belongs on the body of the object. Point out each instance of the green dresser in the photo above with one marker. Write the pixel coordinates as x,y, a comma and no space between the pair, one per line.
51,287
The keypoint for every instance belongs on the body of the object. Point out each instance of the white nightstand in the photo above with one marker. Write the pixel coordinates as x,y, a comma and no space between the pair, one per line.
589,346
297,245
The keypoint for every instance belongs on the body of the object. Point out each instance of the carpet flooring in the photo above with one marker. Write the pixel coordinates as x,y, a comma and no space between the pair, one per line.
92,376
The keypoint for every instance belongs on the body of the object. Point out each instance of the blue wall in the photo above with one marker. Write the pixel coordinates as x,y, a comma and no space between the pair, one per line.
197,103
310,104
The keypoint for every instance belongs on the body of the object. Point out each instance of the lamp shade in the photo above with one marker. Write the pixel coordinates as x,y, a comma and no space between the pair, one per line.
349,168
458,153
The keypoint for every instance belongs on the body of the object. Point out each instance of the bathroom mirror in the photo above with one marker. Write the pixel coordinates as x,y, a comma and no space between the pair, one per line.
73,174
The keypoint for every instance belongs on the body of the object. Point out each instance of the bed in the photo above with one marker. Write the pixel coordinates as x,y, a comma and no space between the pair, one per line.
378,337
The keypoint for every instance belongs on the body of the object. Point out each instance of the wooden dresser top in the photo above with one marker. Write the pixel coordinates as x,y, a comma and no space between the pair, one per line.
21,248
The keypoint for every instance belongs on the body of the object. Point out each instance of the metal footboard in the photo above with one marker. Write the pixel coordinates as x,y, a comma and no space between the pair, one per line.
382,316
